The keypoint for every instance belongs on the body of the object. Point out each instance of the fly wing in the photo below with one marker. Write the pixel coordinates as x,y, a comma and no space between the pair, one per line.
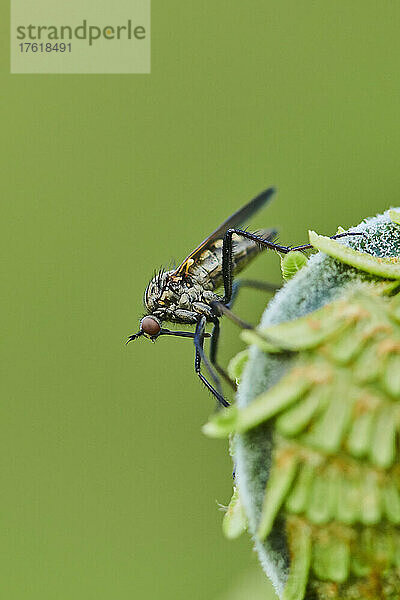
238,218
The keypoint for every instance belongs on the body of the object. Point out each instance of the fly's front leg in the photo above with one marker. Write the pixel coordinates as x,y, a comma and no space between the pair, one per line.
200,356
213,354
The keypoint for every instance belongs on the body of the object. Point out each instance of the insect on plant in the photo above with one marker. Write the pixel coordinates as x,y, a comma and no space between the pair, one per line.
187,294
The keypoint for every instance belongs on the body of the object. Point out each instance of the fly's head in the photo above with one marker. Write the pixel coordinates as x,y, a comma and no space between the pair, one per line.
150,327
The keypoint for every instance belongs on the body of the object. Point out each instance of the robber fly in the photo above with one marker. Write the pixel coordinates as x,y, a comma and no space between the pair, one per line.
188,294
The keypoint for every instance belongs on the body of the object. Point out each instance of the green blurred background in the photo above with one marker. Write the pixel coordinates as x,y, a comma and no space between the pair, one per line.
109,488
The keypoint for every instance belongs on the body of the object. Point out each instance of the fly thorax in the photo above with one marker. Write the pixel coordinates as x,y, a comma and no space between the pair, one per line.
184,301
195,294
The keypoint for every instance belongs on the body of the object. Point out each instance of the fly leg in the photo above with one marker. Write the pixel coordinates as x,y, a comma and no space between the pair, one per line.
230,289
200,356
213,354
227,251
251,283
225,309
259,285
222,309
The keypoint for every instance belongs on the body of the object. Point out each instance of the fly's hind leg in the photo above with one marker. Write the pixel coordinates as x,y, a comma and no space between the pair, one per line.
230,288
199,357
227,251
251,283
226,309
213,354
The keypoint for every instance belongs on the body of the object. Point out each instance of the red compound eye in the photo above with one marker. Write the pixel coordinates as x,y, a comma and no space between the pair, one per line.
150,326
